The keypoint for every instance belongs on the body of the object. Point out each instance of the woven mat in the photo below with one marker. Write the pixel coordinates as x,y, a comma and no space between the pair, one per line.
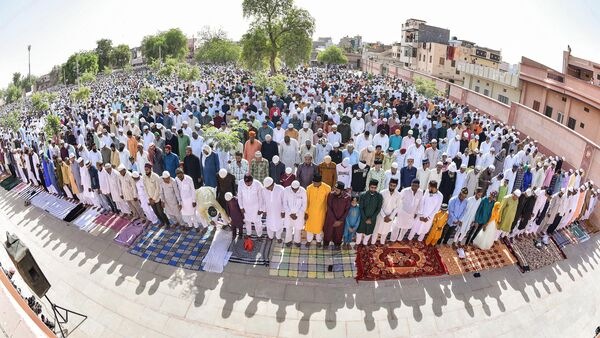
579,233
85,221
112,221
260,254
562,238
9,183
313,262
398,260
184,249
529,257
129,234
476,259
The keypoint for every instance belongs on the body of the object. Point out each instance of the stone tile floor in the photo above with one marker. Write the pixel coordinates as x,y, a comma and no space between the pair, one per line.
126,296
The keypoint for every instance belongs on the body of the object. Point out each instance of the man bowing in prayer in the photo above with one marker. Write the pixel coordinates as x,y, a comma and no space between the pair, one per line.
316,206
338,205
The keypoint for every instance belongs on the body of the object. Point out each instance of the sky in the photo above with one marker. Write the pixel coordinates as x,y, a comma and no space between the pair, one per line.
537,29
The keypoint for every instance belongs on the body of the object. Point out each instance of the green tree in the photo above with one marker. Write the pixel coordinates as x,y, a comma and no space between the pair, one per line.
41,101
169,44
120,56
103,50
85,61
281,24
188,72
168,68
13,93
81,95
225,140
265,82
333,55
16,79
255,47
218,51
426,87
53,126
87,77
149,94
11,121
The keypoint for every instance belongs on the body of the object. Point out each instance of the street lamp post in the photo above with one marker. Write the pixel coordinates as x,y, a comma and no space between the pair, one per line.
29,59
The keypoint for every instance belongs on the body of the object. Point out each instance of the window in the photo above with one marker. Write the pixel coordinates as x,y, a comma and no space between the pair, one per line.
503,99
478,81
548,111
430,59
581,125
477,89
598,76
486,92
536,106
442,61
564,99
560,117
571,123
504,90
586,109
453,64
458,73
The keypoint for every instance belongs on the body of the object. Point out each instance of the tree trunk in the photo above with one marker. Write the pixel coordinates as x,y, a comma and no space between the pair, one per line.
272,62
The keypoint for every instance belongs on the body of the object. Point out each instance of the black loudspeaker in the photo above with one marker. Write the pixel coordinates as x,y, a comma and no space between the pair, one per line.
26,265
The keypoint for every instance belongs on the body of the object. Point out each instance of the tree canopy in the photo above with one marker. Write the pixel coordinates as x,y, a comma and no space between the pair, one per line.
169,44
103,49
41,101
87,63
332,55
279,30
11,121
12,93
82,94
53,126
218,51
426,87
120,56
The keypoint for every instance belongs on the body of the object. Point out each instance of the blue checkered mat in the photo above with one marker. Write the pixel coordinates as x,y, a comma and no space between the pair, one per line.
184,249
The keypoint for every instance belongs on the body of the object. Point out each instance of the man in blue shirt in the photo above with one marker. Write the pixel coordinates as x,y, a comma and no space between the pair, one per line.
456,209
170,161
408,173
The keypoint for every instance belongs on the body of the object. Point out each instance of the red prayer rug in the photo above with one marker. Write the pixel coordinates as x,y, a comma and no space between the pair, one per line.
398,260
476,259
112,221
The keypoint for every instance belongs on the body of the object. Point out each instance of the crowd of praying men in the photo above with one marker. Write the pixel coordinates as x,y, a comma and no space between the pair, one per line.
343,157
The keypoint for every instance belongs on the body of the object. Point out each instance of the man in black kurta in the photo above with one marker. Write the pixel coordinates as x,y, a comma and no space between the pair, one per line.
370,203
191,167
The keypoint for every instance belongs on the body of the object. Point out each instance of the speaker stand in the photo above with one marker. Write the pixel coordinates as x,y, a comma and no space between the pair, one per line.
63,319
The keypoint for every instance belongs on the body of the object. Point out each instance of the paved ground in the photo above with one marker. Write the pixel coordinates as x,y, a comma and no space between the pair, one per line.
128,297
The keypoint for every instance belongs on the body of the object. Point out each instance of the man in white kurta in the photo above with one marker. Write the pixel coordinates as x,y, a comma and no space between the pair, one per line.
185,184
170,197
387,215
288,152
129,192
430,204
410,200
461,178
468,216
250,201
294,206
115,189
272,208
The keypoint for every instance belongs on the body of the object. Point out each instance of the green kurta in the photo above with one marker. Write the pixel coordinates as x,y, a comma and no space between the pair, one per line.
183,142
508,209
369,205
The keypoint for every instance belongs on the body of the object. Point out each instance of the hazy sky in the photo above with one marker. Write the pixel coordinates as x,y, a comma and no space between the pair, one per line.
538,29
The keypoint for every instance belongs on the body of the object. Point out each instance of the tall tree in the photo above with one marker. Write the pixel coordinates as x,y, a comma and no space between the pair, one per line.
282,24
80,63
16,79
120,56
103,49
12,93
332,55
169,44
219,51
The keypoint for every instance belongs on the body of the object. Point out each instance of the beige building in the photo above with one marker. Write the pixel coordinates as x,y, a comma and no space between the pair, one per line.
500,84
432,59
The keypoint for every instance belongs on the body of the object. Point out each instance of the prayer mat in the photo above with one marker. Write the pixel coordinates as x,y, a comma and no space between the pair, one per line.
398,260
562,238
184,249
20,187
113,221
312,262
530,258
54,205
130,233
73,214
589,227
579,233
28,193
476,259
85,221
258,256
9,183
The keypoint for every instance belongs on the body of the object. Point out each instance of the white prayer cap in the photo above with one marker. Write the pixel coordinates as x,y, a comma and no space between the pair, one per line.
198,125
395,165
258,154
222,173
370,148
463,166
336,145
120,167
465,134
107,165
434,141
268,137
305,125
528,192
410,132
492,149
145,127
492,167
419,141
517,193
295,184
165,174
79,160
374,120
267,182
452,167
135,174
439,163
275,159
72,156
288,170
228,196
290,126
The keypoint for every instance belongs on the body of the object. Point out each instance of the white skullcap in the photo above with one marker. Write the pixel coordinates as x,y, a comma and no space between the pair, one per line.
395,165
165,174
228,196
135,174
370,148
222,172
288,170
419,141
517,193
275,159
410,132
295,184
267,182
492,167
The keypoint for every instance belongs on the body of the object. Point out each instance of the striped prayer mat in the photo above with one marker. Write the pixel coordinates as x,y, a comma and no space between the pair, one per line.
54,205
562,238
579,233
85,221
112,221
128,235
476,259
313,262
28,193
260,254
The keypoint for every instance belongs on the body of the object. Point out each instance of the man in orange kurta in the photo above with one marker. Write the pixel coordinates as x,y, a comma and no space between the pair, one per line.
132,145
251,147
316,208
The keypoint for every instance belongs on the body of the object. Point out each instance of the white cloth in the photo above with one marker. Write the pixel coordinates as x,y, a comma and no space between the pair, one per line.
217,256
273,206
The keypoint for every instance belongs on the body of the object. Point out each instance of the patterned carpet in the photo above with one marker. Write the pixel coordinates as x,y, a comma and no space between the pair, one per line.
313,262
562,238
112,221
476,259
529,257
398,260
258,256
184,249
579,233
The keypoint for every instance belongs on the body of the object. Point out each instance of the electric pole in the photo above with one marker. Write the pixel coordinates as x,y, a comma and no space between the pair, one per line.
29,62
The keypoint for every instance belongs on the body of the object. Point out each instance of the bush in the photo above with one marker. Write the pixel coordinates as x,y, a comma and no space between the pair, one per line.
426,87
11,121
276,83
149,94
82,94
53,126
225,140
